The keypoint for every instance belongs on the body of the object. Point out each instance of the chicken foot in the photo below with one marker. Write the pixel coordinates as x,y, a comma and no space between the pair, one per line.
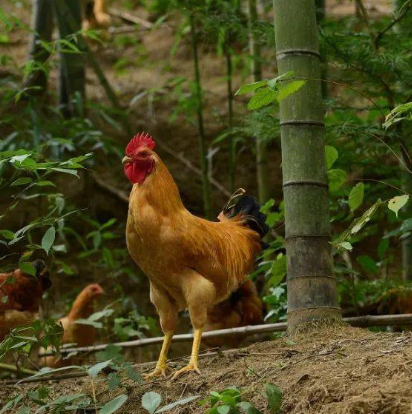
161,366
192,366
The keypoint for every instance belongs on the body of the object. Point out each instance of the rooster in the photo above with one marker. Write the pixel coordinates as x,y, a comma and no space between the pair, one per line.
191,263
20,296
76,333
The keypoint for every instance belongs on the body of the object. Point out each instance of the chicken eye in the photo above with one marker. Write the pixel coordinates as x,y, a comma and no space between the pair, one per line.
144,154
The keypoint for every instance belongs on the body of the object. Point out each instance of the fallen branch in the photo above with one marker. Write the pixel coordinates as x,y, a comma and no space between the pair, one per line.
360,321
191,167
12,368
130,18
111,189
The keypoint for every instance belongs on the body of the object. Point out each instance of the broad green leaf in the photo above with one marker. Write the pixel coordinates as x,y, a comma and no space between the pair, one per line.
250,87
48,239
289,89
223,409
367,263
331,155
66,171
113,381
27,268
21,181
177,403
95,370
356,196
113,405
151,401
396,203
274,397
336,178
262,98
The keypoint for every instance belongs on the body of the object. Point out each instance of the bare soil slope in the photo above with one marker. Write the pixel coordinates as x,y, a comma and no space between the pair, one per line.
336,370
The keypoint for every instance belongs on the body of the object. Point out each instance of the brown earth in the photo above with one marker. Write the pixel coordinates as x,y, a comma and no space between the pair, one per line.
335,370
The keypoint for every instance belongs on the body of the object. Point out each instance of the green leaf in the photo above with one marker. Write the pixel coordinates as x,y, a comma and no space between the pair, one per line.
48,239
336,179
223,409
151,401
7,234
356,196
383,247
249,408
27,268
113,381
262,98
177,403
95,370
289,89
251,87
81,321
331,155
367,264
21,181
45,184
396,203
113,405
344,245
274,397
66,171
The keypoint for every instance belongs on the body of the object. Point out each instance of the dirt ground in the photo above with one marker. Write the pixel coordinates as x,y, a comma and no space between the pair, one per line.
340,370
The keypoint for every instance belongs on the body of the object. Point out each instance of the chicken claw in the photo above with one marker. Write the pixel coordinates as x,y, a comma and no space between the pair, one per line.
158,372
188,368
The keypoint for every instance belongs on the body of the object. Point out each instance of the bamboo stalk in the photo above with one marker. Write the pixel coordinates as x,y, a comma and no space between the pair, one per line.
202,139
359,321
42,25
312,292
256,70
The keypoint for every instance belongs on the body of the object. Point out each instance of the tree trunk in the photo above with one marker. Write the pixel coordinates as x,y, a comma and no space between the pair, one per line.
42,26
71,85
256,70
311,282
202,139
405,134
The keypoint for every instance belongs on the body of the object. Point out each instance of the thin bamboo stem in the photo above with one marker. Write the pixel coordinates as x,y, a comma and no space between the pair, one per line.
262,173
202,139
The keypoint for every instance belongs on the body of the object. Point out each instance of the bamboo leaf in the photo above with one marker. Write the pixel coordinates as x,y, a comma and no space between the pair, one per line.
396,203
48,239
113,405
356,196
367,263
94,370
336,179
177,403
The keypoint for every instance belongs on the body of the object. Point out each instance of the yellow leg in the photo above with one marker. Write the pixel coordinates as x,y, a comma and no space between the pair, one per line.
194,356
161,365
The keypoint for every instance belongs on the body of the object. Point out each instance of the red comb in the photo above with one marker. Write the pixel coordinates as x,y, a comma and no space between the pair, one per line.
142,139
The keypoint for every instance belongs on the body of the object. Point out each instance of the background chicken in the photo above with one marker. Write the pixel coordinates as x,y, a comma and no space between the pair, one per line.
242,308
76,333
190,262
20,297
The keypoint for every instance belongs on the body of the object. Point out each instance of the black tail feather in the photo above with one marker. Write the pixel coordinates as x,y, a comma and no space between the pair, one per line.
249,209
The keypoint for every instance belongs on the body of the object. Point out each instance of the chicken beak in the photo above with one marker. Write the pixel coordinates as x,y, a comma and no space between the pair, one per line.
126,159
